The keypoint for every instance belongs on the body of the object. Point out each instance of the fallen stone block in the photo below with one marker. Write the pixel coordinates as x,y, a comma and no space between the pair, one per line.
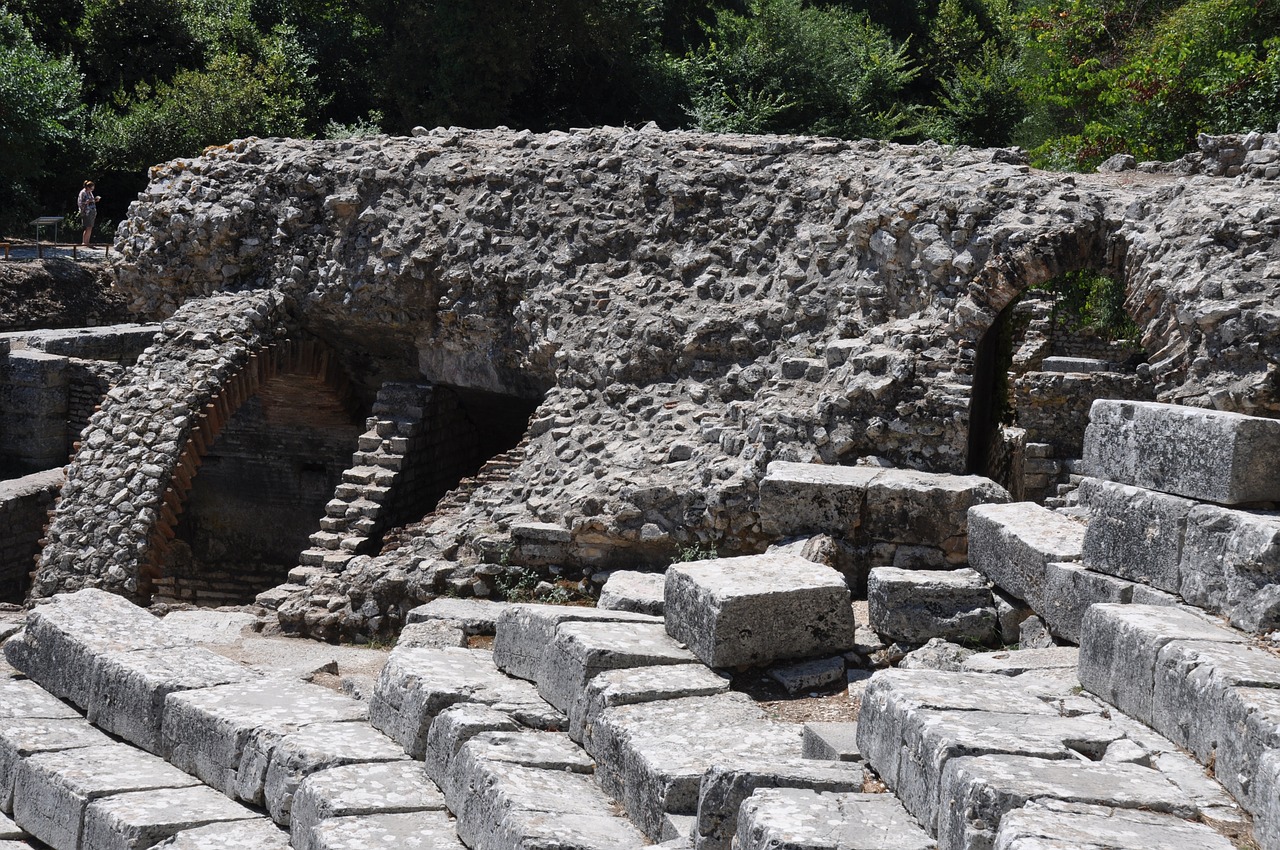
915,606
525,631
23,737
1015,662
1049,824
831,741
139,819
473,616
52,790
1120,647
64,638
835,552
757,609
1231,565
418,684
639,685
318,746
1228,458
128,689
452,728
360,789
808,675
979,792
628,590
937,654
432,634
258,834
225,734
652,756
580,651
1011,545
725,787
432,830
489,751
796,819
1134,533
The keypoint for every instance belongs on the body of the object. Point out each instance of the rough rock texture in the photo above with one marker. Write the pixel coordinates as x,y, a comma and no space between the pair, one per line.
915,606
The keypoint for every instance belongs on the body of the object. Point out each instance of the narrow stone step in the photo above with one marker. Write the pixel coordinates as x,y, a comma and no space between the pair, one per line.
787,818
258,834
396,787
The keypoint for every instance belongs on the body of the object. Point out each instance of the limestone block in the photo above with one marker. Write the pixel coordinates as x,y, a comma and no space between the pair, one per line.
63,639
1120,646
143,818
979,791
652,756
258,834
10,833
225,734
937,654
628,590
360,789
831,741
409,831
804,498
473,616
757,609
417,684
1231,565
210,628
639,685
452,728
1018,661
808,675
538,829
1266,819
525,631
315,747
1247,722
580,651
52,790
678,831
795,819
128,689
1011,544
23,737
487,752
1069,591
839,554
24,698
725,787
914,606
432,634
1053,825
1134,533
1228,458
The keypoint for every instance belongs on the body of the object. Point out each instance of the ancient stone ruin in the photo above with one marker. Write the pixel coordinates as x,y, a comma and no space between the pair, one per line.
872,554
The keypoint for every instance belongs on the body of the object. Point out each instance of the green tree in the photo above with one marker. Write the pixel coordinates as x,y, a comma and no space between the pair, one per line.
125,43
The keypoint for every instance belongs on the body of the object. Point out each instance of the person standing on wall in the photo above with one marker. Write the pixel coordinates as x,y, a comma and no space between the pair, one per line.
88,203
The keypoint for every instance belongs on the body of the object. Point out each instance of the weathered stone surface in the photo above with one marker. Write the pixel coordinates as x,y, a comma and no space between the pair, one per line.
23,737
640,685
417,684
1053,825
807,675
259,834
793,819
914,606
1018,661
473,616
831,741
139,819
430,830
432,634
128,689
1011,544
1210,455
225,734
487,752
360,789
1134,533
452,728
979,792
937,654
24,698
52,790
758,608
580,651
525,631
1069,591
725,787
1267,817
1231,565
841,555
628,590
211,628
10,833
651,756
1120,647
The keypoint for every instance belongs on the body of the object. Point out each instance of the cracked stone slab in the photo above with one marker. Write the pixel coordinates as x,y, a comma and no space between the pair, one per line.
914,606
1134,533
1015,662
487,751
473,616
225,734
525,631
315,747
23,737
360,789
979,791
141,819
652,756
430,830
1209,455
418,684
452,728
725,787
64,638
756,609
580,651
631,590
1011,544
52,790
638,685
1053,825
797,819
127,693
24,698
257,834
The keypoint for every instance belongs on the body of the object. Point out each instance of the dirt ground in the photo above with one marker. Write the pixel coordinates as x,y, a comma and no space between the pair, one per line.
57,293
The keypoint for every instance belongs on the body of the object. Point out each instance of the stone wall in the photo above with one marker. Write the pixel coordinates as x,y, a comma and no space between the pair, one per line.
33,411
1053,407
24,511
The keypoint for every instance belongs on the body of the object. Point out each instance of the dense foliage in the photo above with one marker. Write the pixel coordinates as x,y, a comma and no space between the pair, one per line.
104,88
